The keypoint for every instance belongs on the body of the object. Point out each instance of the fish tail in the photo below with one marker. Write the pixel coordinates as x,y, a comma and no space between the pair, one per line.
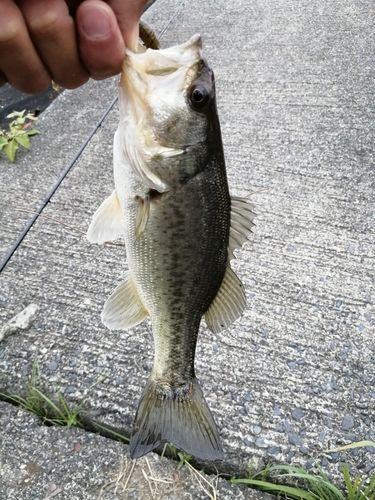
176,415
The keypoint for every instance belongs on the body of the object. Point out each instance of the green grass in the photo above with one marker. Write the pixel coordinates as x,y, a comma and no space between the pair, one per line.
53,411
296,483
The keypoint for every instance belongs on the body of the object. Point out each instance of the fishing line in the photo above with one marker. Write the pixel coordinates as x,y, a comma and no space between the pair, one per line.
65,172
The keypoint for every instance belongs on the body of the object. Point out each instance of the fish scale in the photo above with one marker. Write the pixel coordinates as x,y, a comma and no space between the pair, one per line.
185,267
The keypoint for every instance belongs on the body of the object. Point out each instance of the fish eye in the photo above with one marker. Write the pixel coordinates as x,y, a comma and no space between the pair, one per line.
199,95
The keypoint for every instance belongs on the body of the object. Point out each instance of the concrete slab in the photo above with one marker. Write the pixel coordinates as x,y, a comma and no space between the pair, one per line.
295,377
42,462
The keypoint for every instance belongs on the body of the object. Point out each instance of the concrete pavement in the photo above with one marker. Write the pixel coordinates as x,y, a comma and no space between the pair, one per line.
295,376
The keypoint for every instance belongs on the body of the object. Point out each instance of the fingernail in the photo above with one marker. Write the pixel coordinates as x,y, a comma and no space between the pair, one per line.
96,24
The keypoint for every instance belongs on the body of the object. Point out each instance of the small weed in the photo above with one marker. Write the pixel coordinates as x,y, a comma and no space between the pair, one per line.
184,459
308,486
57,411
54,411
170,451
56,87
18,134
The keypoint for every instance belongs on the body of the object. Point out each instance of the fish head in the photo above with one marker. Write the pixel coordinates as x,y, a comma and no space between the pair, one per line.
168,97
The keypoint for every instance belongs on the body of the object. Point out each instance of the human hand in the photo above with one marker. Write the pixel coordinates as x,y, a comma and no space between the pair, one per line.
67,41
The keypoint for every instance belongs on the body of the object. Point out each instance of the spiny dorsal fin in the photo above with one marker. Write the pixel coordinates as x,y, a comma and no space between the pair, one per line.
124,308
106,223
228,304
241,223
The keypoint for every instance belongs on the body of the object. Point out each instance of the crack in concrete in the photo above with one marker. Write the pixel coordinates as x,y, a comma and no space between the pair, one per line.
225,470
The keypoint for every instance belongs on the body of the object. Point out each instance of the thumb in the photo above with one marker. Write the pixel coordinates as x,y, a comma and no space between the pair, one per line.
100,40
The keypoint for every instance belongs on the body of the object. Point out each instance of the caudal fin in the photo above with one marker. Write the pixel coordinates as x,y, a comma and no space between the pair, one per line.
183,419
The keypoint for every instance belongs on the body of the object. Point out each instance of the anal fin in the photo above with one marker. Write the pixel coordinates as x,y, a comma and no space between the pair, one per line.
229,303
124,307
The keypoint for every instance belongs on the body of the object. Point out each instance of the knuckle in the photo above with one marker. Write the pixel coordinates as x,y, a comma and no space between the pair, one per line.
48,24
9,32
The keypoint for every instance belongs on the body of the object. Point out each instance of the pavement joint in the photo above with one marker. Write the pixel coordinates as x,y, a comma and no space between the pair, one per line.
225,470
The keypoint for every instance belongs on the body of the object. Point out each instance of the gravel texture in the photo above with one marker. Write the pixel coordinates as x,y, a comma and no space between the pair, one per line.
42,462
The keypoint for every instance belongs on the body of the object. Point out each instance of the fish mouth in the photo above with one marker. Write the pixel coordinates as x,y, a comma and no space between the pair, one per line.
157,61
175,67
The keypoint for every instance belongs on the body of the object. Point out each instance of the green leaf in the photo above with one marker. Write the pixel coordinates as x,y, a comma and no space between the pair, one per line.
32,131
16,114
13,130
347,480
11,149
20,120
291,491
49,402
13,397
316,482
24,140
3,143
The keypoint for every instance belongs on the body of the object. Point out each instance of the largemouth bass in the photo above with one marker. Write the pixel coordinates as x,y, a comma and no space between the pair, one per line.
171,203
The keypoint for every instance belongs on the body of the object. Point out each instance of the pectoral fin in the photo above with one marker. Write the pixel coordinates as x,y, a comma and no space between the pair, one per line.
124,308
141,167
241,223
143,213
228,304
106,224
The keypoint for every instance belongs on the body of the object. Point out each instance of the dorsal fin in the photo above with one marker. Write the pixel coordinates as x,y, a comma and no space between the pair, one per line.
241,223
